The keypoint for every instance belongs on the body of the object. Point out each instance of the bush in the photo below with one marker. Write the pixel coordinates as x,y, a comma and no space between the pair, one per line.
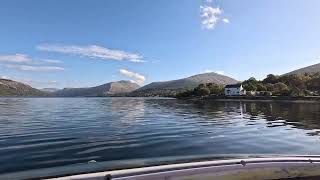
204,91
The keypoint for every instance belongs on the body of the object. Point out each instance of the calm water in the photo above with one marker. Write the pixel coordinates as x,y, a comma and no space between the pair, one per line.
50,132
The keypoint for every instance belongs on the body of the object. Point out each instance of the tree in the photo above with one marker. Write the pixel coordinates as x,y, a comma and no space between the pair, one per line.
281,89
271,79
296,92
261,87
314,84
203,91
269,86
215,89
249,87
250,84
201,85
186,93
297,81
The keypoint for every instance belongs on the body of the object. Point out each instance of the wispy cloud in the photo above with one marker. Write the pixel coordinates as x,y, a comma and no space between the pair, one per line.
225,20
25,59
23,62
220,72
32,82
210,16
53,61
16,58
4,77
137,78
93,51
35,68
37,83
210,71
207,71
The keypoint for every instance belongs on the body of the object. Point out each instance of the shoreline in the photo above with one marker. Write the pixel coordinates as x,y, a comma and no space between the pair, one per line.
311,99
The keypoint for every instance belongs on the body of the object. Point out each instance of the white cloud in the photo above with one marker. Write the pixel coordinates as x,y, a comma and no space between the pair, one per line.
53,61
4,77
210,16
25,59
36,83
137,60
35,68
220,72
93,51
210,71
225,20
207,71
137,78
32,82
209,1
52,82
23,62
16,58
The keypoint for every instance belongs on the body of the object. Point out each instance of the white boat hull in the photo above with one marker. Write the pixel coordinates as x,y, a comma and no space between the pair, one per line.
237,169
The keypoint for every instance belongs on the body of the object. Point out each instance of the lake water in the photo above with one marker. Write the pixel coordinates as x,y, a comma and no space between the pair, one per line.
51,132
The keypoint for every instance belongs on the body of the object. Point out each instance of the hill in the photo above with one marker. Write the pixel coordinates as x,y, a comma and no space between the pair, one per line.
14,88
108,89
170,88
49,90
309,69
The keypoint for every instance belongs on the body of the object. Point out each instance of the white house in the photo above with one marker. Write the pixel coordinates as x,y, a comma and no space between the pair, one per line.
234,90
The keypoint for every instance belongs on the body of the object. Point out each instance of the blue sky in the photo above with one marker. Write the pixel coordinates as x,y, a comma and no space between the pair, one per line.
76,43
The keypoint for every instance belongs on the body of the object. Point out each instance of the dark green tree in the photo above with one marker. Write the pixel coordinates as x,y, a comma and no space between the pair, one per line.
203,91
261,87
281,89
271,79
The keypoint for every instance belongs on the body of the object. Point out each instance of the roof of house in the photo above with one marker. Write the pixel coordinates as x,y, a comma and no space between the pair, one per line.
233,86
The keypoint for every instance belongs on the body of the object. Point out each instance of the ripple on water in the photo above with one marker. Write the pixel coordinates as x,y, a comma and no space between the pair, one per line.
38,133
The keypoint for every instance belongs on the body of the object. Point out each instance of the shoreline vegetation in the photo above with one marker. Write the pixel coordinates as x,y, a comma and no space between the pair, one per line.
255,98
292,87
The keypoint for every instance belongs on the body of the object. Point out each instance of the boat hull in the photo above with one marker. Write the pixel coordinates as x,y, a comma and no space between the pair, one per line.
236,169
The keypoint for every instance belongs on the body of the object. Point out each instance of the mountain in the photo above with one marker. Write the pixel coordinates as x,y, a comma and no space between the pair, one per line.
49,90
14,88
309,69
191,82
109,89
169,88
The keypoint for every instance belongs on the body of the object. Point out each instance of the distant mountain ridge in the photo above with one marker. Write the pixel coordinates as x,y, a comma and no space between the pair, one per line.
14,88
309,69
191,81
112,88
49,90
169,88
118,88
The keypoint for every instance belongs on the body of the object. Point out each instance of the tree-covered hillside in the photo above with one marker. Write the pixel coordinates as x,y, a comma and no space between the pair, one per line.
307,84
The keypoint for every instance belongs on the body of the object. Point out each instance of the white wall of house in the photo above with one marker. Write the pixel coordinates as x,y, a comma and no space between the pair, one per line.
234,91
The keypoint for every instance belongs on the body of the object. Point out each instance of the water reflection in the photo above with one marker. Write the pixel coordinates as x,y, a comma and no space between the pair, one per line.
37,133
292,114
132,109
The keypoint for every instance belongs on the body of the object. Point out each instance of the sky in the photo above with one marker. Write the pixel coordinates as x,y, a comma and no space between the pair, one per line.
82,43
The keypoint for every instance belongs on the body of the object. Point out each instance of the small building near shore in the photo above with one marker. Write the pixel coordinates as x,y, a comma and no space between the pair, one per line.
234,90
